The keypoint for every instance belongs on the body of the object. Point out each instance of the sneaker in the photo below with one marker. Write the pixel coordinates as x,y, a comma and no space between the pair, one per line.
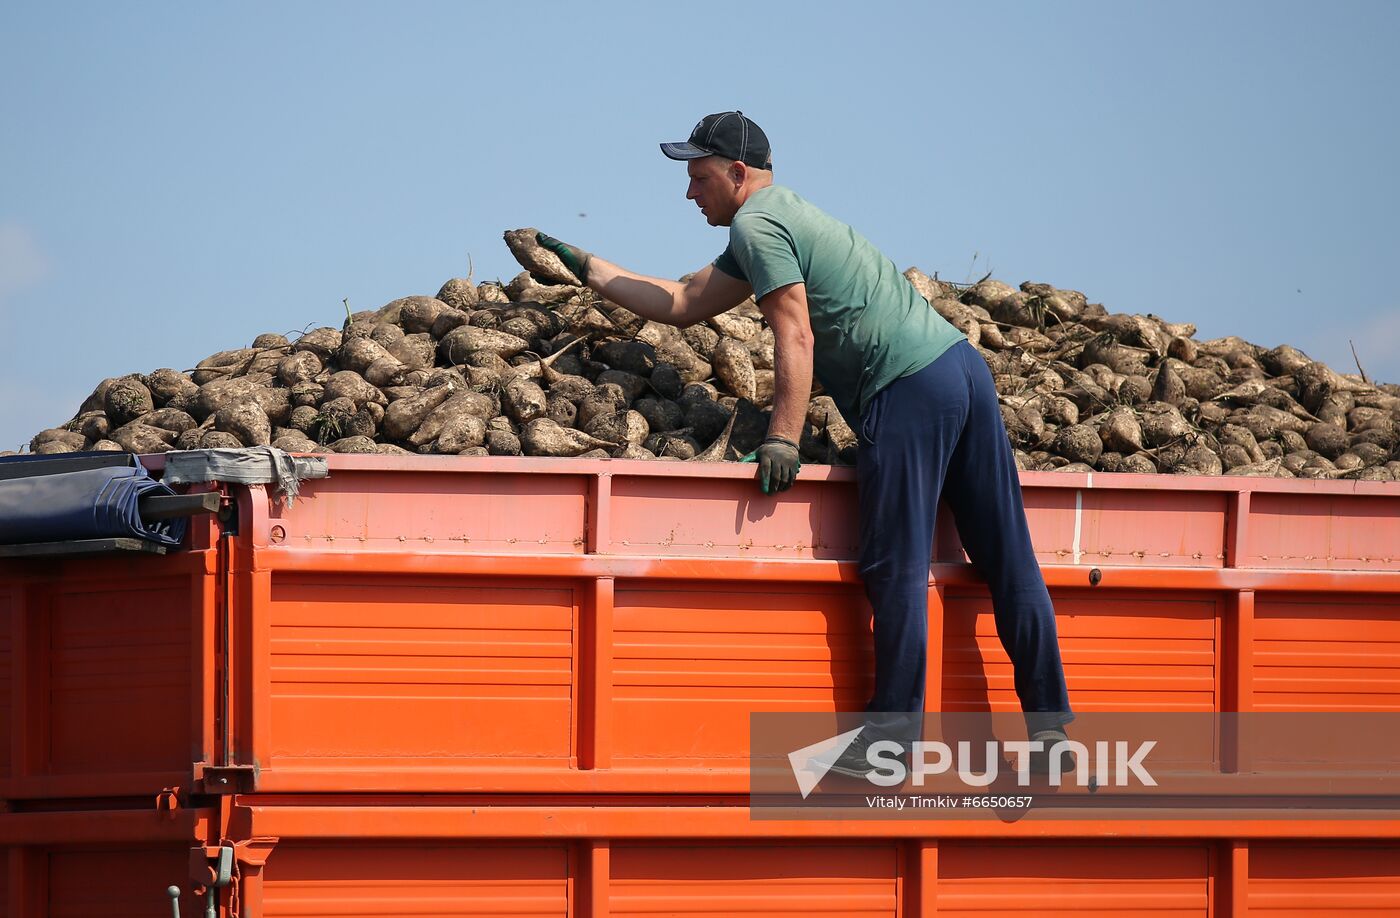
854,762
1040,761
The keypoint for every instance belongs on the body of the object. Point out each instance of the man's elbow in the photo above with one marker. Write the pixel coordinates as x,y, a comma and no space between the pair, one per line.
689,310
683,312
798,340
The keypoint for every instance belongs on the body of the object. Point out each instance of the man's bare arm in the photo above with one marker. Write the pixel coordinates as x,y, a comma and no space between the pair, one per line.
786,311
708,293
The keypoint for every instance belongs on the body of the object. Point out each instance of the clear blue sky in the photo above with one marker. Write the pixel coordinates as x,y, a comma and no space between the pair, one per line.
177,178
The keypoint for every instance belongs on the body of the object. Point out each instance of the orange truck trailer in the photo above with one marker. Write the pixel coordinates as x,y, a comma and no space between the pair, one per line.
506,686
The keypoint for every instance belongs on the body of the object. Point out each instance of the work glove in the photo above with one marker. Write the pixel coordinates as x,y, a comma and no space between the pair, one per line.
574,258
778,462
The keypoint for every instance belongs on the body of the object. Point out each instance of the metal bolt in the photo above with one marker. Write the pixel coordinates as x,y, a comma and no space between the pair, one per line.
278,533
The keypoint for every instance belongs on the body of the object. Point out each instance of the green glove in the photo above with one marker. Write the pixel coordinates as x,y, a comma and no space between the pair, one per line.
778,462
575,259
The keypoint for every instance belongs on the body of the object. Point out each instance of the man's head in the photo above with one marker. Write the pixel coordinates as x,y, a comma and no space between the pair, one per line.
728,158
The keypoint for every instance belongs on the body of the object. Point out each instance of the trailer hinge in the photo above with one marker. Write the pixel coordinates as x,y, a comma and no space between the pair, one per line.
212,866
168,801
226,779
215,866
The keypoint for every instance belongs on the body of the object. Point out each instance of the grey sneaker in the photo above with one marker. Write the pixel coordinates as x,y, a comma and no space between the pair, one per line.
854,762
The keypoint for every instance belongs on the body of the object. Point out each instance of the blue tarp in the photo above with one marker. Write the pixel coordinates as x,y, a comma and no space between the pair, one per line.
96,503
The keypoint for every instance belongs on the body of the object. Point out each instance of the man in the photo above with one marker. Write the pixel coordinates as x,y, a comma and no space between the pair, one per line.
919,395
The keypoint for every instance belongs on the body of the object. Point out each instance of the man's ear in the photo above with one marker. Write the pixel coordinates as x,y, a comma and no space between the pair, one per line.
738,172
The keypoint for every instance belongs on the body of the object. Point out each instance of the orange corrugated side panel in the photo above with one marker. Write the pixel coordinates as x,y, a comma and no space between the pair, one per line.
1296,879
107,674
483,687
604,626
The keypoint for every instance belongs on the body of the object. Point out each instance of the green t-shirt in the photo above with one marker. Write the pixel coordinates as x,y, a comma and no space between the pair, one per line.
870,325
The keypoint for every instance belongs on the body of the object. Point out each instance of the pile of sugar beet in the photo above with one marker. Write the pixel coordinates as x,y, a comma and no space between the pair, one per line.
541,366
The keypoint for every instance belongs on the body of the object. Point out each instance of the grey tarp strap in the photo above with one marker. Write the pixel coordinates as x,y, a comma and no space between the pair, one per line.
252,465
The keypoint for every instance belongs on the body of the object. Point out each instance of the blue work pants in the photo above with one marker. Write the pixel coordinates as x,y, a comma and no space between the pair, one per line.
939,433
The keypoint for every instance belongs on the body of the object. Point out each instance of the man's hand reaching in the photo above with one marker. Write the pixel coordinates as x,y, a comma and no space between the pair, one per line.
778,462
575,259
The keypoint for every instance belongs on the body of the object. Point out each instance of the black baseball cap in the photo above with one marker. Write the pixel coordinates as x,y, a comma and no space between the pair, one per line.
728,134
